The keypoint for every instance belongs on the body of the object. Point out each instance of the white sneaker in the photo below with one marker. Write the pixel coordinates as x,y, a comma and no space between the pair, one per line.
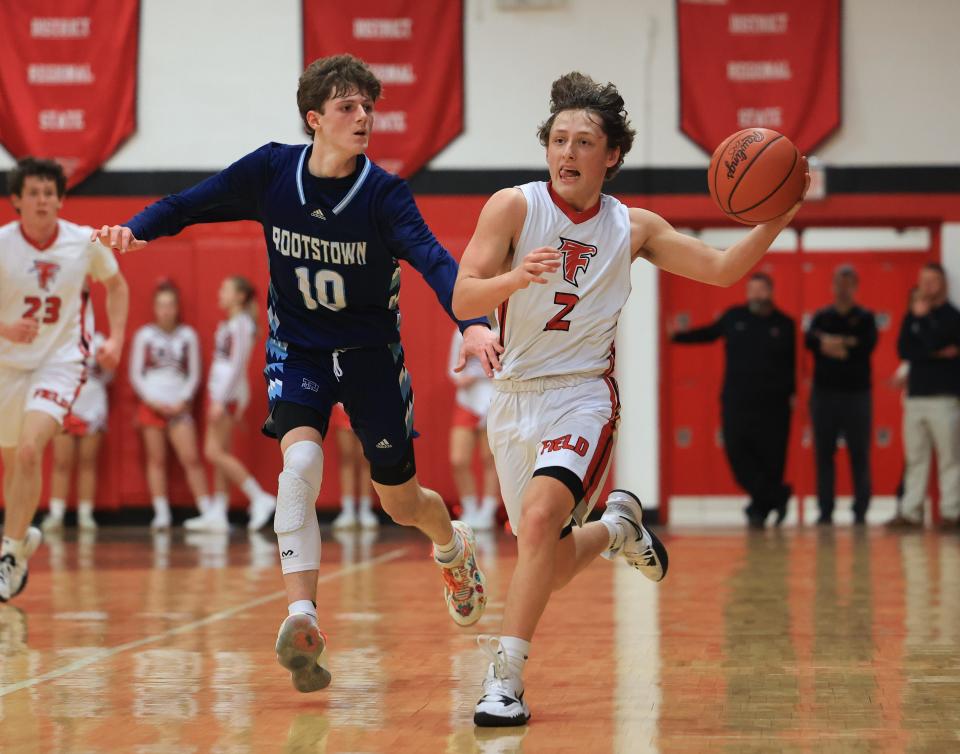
301,650
261,509
161,519
641,548
346,520
86,521
368,519
214,520
502,704
51,523
485,519
13,573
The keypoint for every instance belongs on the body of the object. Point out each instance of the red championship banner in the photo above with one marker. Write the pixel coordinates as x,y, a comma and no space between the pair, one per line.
68,80
415,47
759,63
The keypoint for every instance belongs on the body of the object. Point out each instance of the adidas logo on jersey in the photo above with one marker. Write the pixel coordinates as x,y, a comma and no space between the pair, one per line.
318,213
384,444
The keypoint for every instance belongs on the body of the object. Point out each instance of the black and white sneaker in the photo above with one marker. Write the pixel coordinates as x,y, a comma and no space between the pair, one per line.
641,548
13,572
502,704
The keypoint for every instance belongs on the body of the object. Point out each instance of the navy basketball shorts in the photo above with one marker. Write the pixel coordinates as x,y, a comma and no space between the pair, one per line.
373,385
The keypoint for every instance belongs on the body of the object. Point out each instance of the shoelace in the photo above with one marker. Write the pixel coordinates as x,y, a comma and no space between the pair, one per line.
458,581
492,649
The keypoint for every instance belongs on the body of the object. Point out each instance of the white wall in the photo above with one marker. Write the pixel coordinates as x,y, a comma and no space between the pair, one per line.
218,78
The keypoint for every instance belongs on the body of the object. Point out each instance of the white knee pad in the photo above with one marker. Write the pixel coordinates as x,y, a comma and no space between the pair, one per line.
295,522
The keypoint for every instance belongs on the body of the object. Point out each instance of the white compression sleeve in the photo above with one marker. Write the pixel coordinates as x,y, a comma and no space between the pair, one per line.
295,522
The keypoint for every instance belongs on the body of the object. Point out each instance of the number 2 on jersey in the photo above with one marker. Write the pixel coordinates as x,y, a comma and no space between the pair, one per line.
330,290
567,301
51,308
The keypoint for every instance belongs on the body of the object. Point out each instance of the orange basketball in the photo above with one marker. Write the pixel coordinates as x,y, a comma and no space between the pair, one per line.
756,175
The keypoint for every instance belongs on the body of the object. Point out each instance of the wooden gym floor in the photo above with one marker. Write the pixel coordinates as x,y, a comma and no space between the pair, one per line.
794,641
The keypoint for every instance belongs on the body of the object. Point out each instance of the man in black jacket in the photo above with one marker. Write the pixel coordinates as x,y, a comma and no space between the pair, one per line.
930,341
842,337
758,383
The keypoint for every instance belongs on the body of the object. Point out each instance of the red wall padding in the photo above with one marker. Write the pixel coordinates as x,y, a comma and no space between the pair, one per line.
198,260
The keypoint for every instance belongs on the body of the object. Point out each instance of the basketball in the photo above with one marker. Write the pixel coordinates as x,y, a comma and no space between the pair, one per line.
756,175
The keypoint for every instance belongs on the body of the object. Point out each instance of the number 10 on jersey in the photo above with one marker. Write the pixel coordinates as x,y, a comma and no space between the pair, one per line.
328,285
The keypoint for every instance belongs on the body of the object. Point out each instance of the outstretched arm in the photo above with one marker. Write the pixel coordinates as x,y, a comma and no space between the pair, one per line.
660,243
232,194
486,279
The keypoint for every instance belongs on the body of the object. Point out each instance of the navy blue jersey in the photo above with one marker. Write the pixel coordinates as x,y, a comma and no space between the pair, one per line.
333,243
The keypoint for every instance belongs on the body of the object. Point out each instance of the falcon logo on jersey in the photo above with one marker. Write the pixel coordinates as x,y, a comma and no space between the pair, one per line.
576,257
46,272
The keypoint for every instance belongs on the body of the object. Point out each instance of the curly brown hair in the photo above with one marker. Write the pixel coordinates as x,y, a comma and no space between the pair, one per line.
334,76
577,91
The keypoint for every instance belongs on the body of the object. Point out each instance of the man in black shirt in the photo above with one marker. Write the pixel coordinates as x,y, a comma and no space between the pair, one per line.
842,338
758,384
930,341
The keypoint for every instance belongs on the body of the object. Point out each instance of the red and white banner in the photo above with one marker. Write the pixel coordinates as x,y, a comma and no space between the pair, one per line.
68,80
759,63
415,47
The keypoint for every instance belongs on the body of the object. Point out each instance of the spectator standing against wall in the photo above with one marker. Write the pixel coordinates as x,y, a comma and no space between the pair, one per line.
758,384
842,337
930,341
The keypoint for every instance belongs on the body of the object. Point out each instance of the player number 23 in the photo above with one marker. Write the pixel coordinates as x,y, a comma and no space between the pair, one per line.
50,305
327,285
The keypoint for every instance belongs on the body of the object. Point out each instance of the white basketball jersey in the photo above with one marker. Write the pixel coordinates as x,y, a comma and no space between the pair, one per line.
165,366
568,325
47,285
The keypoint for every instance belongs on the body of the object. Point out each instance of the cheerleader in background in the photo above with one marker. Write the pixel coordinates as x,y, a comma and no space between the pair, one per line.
165,374
79,444
355,487
469,433
228,394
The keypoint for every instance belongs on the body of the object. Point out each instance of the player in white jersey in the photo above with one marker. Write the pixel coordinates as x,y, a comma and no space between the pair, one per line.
165,375
228,394
79,443
44,265
554,416
468,433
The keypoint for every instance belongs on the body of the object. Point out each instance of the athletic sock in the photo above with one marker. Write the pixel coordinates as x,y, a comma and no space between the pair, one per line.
366,503
450,552
348,504
252,489
515,651
303,606
161,505
489,503
84,507
616,534
205,503
468,503
58,506
13,547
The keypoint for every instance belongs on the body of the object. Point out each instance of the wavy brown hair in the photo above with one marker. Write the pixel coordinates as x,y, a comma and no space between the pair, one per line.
334,76
577,91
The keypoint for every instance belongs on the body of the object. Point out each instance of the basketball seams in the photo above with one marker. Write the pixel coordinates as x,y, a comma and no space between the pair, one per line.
750,164
796,159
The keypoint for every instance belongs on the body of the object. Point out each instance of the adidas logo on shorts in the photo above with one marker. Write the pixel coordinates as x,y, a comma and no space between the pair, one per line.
384,444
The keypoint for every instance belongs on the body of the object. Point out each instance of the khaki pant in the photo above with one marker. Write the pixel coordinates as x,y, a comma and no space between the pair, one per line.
927,423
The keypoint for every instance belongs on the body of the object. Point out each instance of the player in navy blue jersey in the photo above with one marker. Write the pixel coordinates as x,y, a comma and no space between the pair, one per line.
336,226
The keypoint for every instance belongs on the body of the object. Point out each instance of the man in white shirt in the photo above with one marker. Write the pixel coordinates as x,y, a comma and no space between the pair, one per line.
44,263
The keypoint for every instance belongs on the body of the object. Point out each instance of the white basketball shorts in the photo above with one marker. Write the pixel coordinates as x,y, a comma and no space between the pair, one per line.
51,388
553,423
